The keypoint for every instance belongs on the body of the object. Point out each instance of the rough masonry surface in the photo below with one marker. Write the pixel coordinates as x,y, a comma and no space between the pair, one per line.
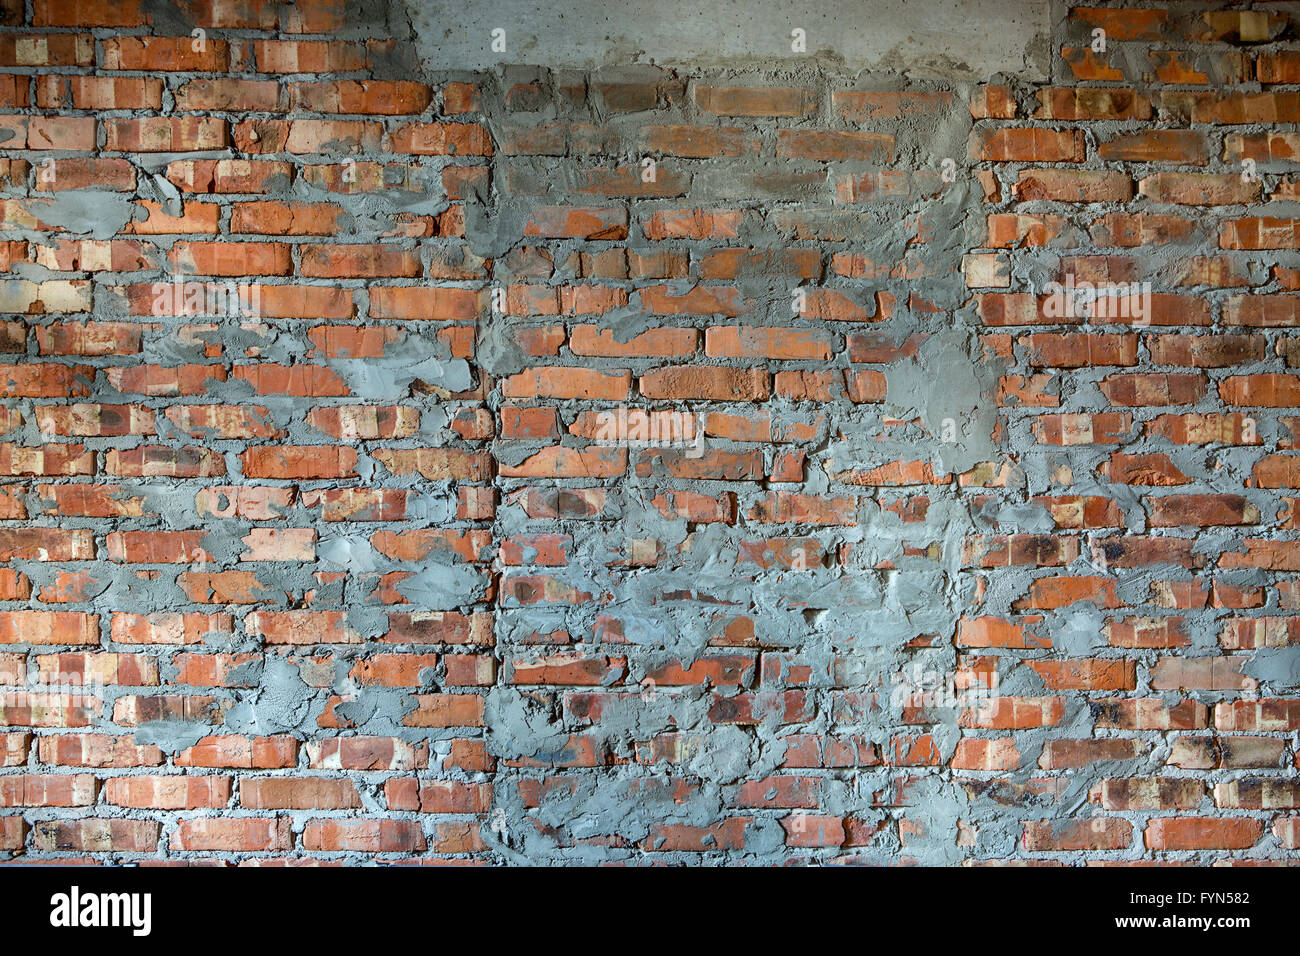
691,464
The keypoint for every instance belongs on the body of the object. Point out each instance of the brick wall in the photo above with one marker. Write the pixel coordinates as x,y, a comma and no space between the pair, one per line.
645,465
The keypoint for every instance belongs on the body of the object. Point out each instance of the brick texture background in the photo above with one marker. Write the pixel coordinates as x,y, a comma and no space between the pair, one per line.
360,575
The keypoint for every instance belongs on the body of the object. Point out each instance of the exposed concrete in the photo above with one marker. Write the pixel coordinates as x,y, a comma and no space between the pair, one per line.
894,35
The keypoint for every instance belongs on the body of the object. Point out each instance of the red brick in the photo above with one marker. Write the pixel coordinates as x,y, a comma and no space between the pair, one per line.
754,101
